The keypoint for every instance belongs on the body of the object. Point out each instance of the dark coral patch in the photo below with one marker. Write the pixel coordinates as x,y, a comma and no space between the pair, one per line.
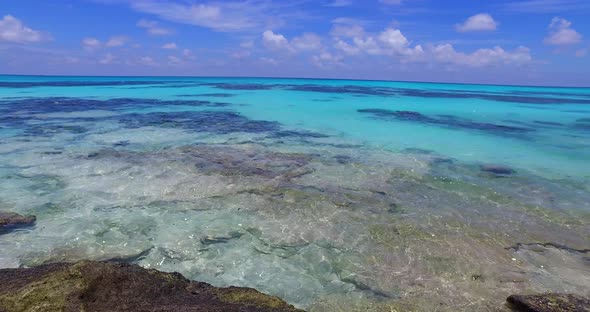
549,93
357,90
299,134
498,97
62,104
219,95
19,113
28,115
582,123
547,123
219,122
31,84
445,120
241,86
532,98
45,130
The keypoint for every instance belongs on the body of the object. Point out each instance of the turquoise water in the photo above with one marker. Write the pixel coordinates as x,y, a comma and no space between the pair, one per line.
319,191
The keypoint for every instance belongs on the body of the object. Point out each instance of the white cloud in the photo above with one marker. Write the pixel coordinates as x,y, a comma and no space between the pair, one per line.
107,59
169,46
345,27
275,41
90,43
307,42
242,54
391,2
326,59
71,60
146,60
247,44
268,60
13,30
547,6
188,54
478,22
339,3
174,60
394,39
393,43
116,41
561,33
278,42
346,47
390,41
154,28
351,38
368,45
224,16
446,53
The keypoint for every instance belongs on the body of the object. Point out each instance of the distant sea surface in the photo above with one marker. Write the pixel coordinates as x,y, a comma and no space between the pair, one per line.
336,195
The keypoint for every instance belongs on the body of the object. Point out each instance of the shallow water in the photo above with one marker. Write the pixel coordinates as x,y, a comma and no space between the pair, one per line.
334,195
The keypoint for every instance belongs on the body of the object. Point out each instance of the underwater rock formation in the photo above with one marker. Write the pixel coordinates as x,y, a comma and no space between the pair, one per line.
11,219
99,286
549,303
497,169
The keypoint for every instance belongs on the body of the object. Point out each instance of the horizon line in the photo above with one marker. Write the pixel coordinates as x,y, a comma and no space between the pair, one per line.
303,78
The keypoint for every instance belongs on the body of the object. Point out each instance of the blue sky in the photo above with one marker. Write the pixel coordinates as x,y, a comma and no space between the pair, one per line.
540,42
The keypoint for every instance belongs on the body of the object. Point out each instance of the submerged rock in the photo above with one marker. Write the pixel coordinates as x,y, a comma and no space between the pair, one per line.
98,286
210,240
549,303
497,169
11,219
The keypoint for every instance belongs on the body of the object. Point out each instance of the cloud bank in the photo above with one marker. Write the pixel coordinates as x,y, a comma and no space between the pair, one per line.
13,30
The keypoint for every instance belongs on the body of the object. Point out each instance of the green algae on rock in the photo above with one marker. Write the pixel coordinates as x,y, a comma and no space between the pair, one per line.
99,286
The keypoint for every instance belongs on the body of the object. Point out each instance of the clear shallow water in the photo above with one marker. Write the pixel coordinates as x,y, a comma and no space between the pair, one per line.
333,194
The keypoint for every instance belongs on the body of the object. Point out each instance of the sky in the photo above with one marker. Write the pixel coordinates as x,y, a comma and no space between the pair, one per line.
524,42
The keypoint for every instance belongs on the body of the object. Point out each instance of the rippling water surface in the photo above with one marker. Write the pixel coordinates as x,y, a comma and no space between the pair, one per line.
334,195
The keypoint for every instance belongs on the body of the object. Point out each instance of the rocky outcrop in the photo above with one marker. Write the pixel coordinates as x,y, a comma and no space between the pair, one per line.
549,303
11,219
99,286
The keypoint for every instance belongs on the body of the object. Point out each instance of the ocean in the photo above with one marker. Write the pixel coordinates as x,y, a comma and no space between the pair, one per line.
335,195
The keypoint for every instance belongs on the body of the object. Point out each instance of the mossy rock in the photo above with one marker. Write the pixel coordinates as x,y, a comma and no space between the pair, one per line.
98,286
